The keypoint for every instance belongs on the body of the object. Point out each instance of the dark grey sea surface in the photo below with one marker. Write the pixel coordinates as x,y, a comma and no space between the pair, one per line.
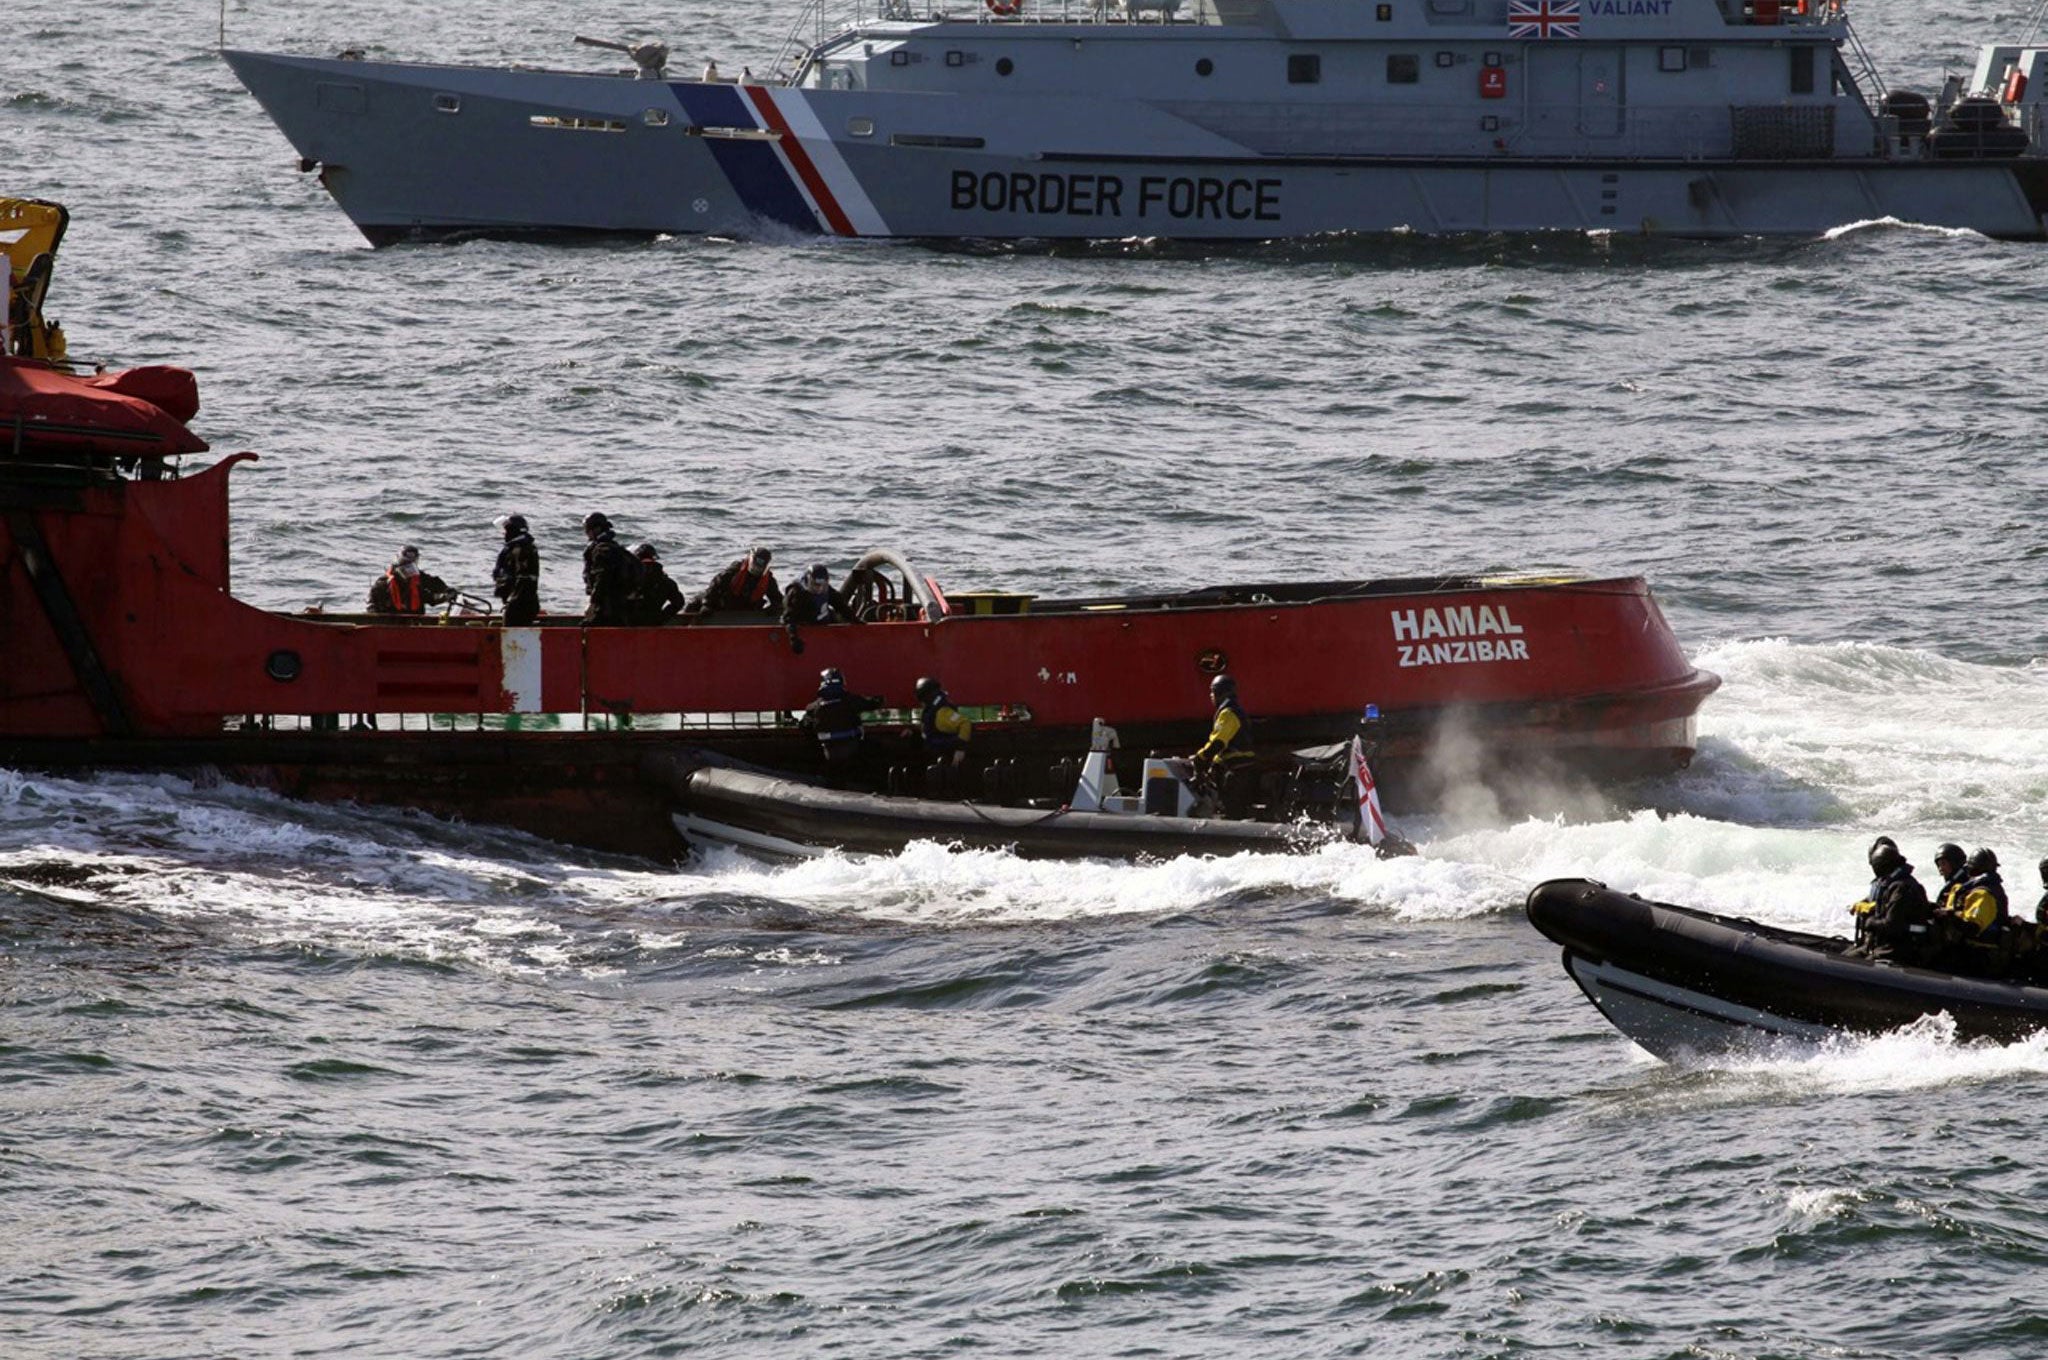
278,1079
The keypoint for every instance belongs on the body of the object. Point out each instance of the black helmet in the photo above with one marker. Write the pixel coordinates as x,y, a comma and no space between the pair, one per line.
595,522
643,550
820,573
2044,873
1982,861
1885,856
759,554
831,683
513,525
1223,687
1949,853
928,689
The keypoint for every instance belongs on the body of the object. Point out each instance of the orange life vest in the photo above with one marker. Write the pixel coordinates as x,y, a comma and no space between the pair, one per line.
404,592
750,588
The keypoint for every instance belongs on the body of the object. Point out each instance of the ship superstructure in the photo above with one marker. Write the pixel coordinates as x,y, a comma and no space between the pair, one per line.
1215,119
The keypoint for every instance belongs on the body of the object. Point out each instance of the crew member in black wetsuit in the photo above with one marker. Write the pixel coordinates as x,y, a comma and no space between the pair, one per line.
1900,912
516,578
608,575
655,598
813,601
834,718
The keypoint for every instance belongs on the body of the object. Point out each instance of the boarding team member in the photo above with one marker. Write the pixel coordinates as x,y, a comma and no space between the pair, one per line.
812,601
1950,861
1897,913
655,598
1228,744
1978,907
516,578
745,584
834,719
608,575
946,731
405,589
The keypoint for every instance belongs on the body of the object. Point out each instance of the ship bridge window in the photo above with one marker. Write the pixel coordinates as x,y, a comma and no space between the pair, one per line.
1802,70
1304,68
654,117
1671,58
1403,68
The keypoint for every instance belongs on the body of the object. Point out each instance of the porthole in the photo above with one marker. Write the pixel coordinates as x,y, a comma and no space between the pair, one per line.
1205,67
282,666
1004,66
448,103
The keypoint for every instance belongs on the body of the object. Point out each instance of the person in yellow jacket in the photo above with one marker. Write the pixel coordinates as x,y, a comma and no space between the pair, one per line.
1228,743
1951,861
1227,755
1979,904
947,732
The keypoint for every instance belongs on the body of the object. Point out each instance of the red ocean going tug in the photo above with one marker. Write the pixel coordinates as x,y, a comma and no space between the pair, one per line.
125,649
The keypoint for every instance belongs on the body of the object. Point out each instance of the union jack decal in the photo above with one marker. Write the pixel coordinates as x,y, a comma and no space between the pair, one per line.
1543,18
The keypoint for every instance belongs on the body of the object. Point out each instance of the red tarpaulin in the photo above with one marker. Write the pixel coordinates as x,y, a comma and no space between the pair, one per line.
114,413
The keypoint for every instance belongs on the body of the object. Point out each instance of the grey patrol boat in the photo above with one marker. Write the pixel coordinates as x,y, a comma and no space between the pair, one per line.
1193,119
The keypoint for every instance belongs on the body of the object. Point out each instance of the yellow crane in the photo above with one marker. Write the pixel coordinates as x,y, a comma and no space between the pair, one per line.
30,231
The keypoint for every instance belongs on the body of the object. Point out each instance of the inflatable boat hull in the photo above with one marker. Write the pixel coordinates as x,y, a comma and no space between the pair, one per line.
785,817
1681,982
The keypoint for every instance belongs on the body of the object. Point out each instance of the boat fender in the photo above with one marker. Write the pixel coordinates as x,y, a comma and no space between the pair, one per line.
1006,8
2015,86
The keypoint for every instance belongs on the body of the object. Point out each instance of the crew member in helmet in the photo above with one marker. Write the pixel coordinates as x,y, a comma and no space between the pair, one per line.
405,589
516,578
811,600
608,575
655,598
1225,758
1228,743
834,718
946,731
1899,914
745,584
1951,861
2041,907
1979,904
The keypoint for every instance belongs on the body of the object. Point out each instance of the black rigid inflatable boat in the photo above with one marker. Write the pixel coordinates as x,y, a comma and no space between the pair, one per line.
768,814
1680,981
